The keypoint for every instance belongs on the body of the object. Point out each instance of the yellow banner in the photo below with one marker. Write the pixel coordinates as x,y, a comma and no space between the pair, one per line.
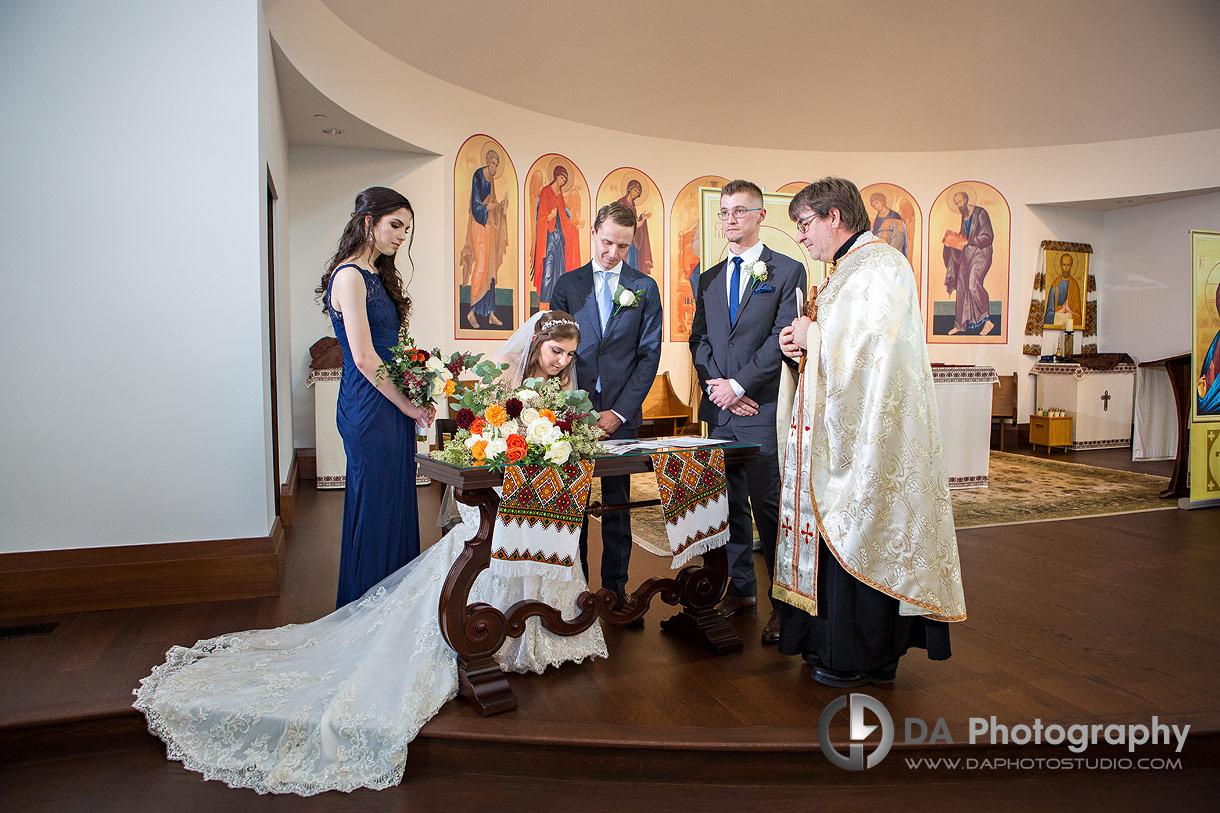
1204,389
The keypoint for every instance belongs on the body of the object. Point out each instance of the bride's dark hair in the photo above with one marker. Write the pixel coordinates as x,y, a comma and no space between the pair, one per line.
375,202
551,325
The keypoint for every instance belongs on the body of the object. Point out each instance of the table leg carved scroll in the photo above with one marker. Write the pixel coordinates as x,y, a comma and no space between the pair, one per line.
477,631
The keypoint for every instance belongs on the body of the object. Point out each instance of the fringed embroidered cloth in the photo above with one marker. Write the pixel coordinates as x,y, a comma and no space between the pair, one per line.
542,508
694,499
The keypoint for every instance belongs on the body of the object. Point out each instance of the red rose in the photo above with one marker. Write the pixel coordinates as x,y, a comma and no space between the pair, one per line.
464,418
513,407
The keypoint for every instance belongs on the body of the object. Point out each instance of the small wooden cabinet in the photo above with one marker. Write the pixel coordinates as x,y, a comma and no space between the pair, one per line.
1048,431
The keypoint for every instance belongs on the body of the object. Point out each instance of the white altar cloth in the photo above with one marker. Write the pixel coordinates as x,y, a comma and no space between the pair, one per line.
332,460
1156,416
963,398
1100,402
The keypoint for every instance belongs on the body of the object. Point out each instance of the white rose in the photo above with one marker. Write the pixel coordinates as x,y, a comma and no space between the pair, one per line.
528,416
626,299
472,440
438,387
559,452
434,364
496,447
556,434
526,395
758,269
509,427
539,431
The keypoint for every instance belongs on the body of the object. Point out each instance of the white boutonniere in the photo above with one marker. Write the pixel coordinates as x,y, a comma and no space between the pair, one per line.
758,272
626,298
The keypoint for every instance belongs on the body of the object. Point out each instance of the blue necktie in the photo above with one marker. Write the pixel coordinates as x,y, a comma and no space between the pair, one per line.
734,290
604,300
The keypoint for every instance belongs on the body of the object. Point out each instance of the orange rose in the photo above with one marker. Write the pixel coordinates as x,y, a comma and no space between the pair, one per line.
450,386
546,413
495,414
479,450
517,448
477,426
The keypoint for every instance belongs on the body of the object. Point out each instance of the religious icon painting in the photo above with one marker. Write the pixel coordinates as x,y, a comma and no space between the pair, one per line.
898,221
968,275
637,192
485,242
792,187
1064,299
684,266
556,226
1205,330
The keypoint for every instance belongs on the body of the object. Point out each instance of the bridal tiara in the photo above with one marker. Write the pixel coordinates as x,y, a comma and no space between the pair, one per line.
545,328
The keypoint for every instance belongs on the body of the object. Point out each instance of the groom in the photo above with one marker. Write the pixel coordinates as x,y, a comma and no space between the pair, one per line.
740,308
619,313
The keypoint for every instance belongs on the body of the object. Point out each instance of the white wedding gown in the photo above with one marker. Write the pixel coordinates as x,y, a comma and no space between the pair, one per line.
333,704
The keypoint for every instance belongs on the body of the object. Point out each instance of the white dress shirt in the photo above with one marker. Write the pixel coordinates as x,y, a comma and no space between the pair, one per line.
602,278
748,256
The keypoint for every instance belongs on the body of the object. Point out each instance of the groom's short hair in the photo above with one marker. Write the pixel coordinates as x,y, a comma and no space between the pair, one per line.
617,212
736,186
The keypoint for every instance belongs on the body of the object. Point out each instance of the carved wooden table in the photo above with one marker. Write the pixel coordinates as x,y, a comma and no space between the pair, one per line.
477,631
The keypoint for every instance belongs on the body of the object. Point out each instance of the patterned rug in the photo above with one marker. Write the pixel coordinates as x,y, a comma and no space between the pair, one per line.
1022,489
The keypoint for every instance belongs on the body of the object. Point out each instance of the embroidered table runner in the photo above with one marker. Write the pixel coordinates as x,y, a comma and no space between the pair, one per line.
537,529
694,498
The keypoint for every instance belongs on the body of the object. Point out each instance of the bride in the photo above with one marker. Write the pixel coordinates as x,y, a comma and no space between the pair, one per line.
332,704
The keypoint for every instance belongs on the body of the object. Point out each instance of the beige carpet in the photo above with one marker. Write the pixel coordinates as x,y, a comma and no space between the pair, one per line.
1022,489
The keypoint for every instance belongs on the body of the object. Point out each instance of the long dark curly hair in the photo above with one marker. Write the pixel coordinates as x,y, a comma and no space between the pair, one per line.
375,202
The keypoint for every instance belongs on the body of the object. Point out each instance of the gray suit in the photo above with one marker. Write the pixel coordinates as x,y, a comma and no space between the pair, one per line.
625,358
747,351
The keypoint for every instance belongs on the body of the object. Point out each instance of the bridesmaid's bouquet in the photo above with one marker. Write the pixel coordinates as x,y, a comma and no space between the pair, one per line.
539,423
424,376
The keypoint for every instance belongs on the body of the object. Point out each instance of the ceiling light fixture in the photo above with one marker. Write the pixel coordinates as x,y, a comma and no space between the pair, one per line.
333,131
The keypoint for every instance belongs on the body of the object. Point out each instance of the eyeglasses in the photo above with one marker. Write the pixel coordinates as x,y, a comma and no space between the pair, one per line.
804,223
736,214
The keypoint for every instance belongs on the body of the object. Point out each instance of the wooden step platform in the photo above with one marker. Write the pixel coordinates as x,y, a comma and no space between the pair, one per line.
1093,621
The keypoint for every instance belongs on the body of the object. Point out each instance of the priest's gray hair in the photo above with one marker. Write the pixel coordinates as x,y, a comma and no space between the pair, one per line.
832,193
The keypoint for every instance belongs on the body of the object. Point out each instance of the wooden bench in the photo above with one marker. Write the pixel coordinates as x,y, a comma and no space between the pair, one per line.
1004,403
664,412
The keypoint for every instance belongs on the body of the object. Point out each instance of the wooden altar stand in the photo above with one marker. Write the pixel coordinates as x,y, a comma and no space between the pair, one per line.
477,631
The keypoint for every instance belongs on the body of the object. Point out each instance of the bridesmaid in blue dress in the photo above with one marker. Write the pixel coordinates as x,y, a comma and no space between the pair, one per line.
362,293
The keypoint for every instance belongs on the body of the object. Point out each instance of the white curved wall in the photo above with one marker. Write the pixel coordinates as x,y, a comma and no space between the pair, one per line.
134,407
439,116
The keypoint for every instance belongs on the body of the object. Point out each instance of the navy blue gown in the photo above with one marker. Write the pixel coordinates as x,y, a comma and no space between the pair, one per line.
380,519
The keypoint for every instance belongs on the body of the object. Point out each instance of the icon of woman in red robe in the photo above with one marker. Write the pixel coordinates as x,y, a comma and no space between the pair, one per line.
556,250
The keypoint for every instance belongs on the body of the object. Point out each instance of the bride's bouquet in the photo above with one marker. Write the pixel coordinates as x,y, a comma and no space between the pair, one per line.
538,423
423,376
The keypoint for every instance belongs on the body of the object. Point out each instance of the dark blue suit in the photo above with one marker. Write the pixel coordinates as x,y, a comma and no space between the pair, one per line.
747,351
625,358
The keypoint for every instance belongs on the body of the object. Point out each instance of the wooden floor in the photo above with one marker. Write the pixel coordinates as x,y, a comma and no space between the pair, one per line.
1103,620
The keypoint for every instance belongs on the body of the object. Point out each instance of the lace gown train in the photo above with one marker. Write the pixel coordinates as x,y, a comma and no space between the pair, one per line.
333,704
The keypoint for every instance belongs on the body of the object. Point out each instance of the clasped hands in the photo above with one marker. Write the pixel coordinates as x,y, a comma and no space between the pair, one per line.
722,394
794,339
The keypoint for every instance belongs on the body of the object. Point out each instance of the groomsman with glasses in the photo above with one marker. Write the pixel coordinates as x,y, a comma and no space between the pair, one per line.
741,305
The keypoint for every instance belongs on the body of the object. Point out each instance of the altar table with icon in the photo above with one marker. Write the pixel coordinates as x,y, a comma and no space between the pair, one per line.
1098,394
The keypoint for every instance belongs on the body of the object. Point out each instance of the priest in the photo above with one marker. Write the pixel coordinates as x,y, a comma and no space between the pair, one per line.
867,563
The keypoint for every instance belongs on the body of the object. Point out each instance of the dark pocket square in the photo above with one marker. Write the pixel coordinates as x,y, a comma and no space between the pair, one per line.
764,289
